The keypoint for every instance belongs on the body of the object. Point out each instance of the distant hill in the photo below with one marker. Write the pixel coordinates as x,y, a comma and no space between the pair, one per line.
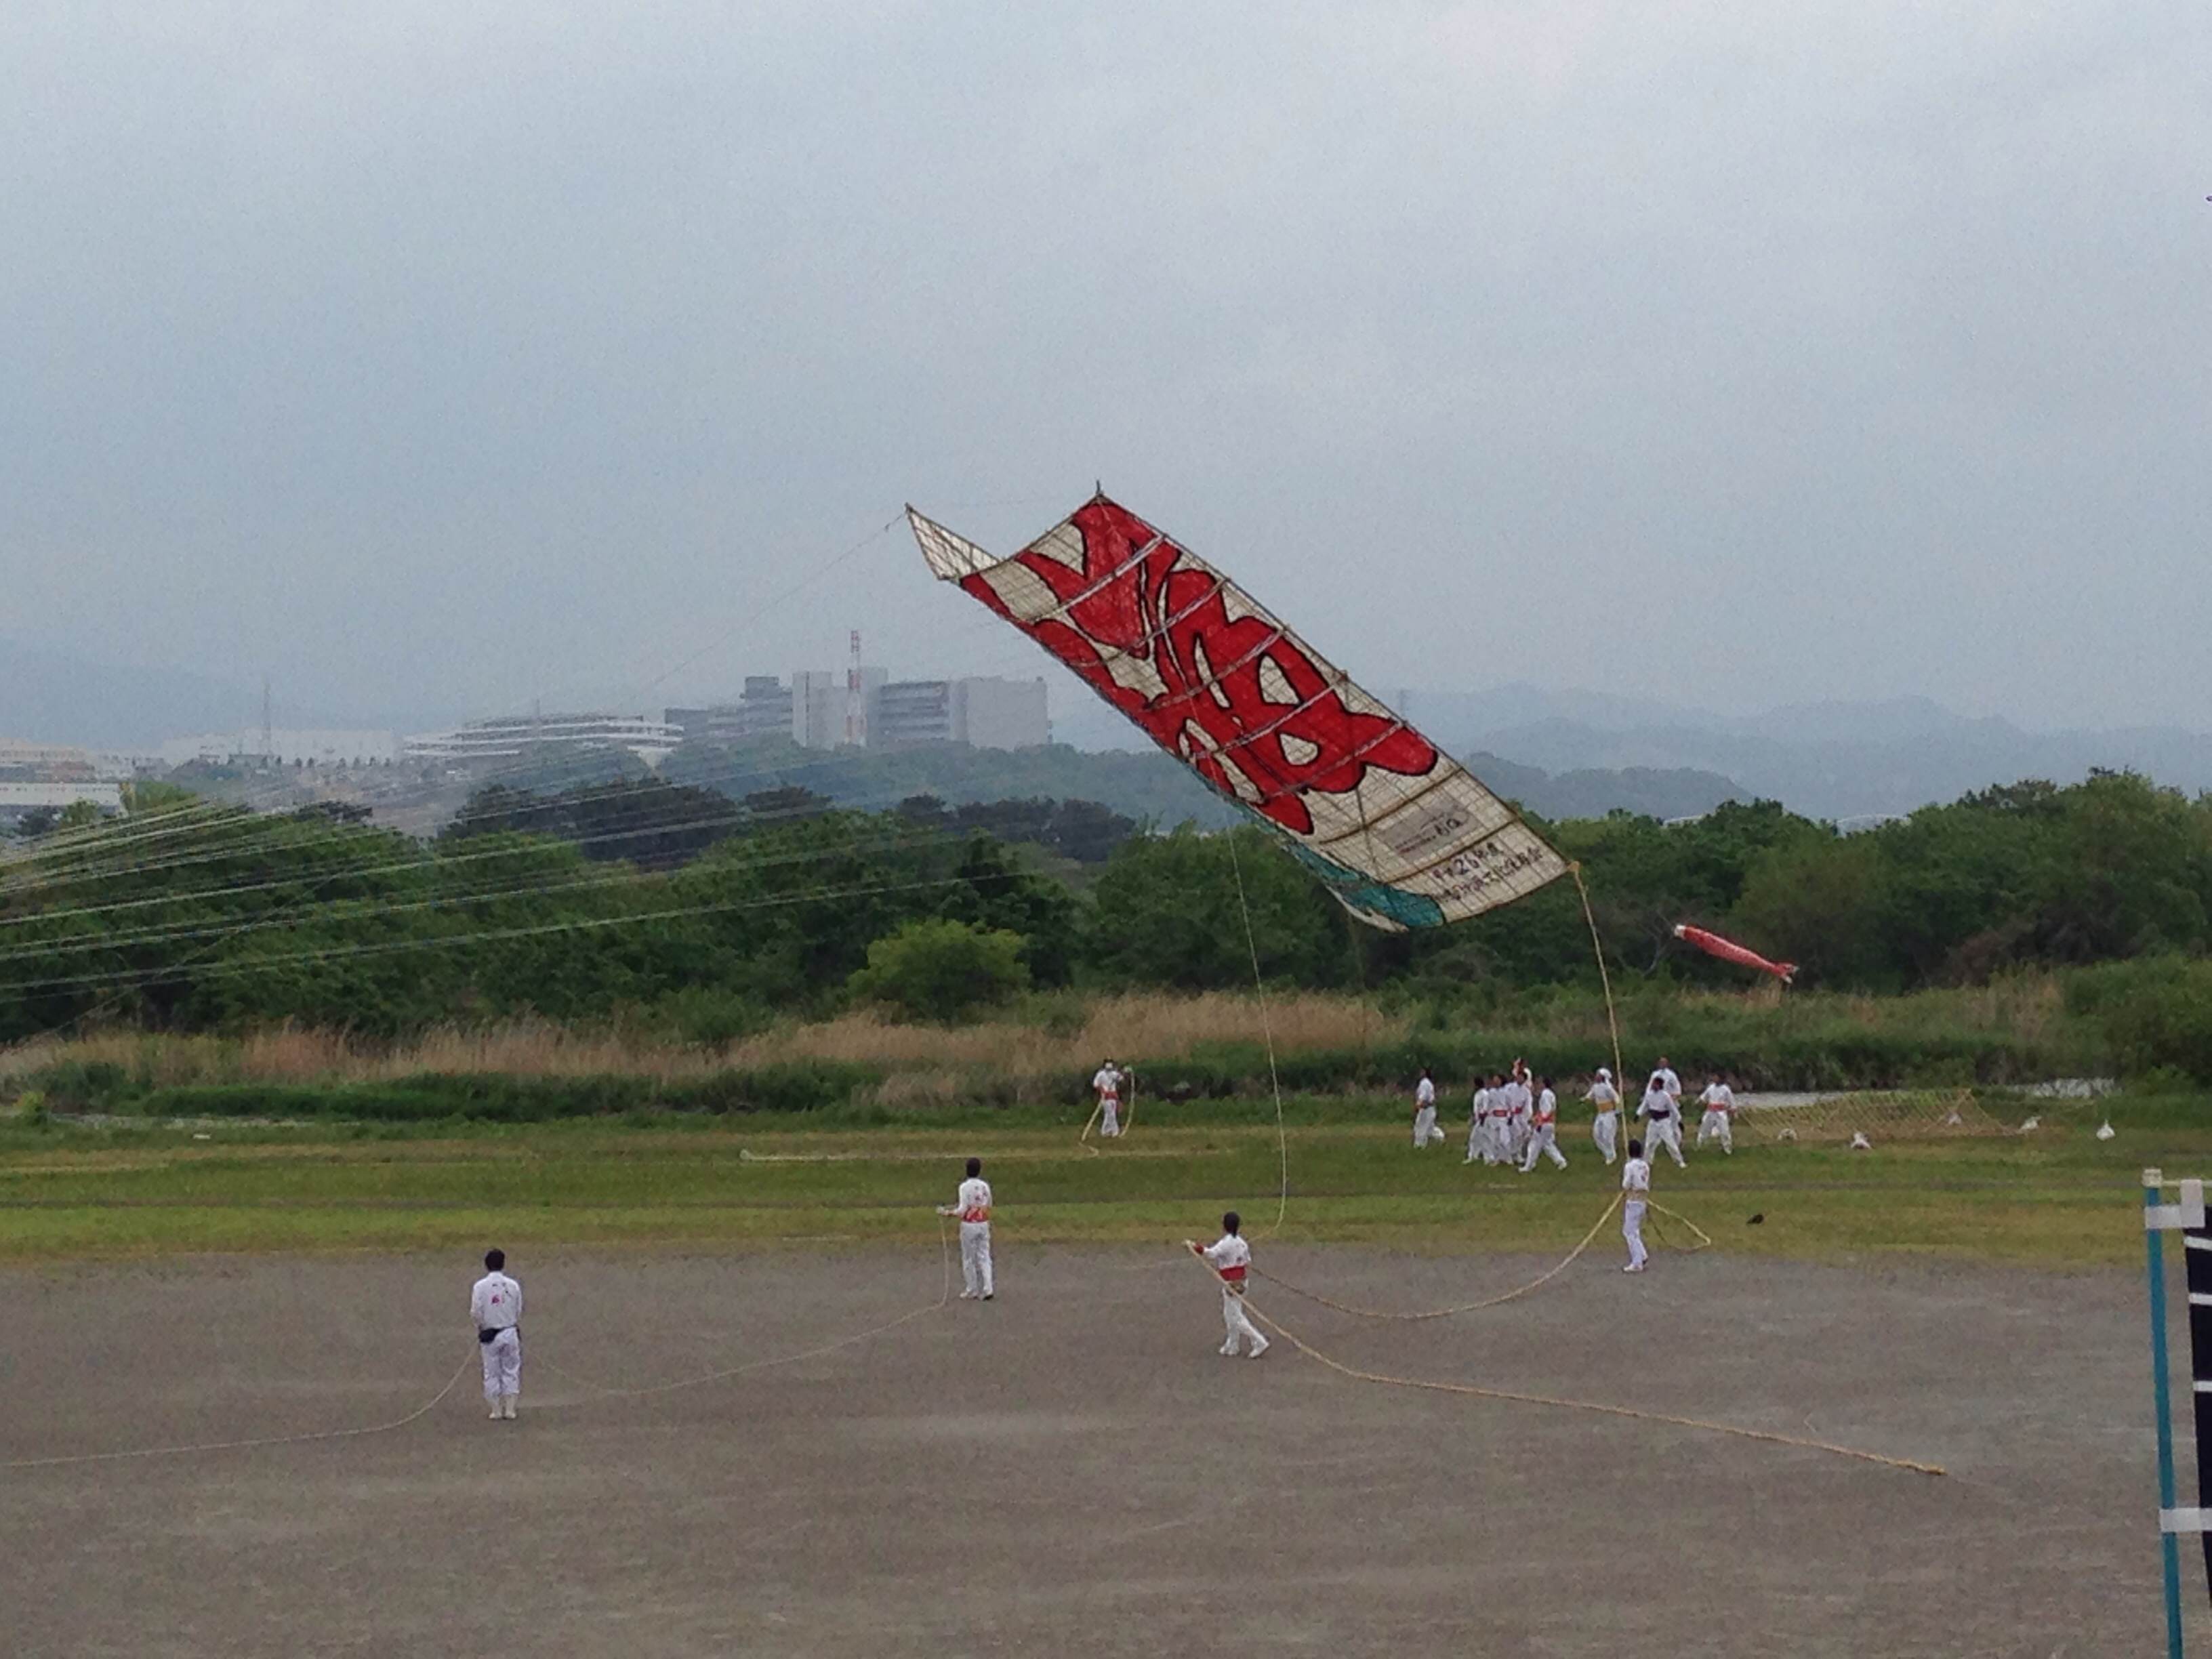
1149,785
1829,760
53,697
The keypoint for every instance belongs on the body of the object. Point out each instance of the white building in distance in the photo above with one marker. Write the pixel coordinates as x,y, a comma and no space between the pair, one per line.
984,713
287,747
512,736
825,715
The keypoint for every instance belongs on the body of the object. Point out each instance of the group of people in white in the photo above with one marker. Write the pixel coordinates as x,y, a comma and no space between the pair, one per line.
1514,1117
1513,1120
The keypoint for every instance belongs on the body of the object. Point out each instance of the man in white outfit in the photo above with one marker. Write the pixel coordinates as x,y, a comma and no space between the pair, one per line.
495,1306
1521,1107
1605,1127
1477,1125
1719,1102
1231,1258
1426,1131
1636,1182
1543,1130
1662,1119
1106,1084
1666,1075
973,1207
1501,1120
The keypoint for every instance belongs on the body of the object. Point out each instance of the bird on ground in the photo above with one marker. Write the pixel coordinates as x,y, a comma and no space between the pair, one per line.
2105,1130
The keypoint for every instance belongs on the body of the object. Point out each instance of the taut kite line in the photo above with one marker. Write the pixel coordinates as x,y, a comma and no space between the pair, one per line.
1402,833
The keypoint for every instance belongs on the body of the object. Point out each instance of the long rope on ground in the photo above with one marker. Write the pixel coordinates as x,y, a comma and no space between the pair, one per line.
421,1410
1474,1391
944,1299
1514,1295
1705,1239
1267,1031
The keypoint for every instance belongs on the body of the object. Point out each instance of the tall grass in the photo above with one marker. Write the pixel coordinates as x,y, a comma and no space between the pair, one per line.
1051,1037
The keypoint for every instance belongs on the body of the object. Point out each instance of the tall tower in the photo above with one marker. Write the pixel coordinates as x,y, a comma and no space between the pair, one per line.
856,718
268,725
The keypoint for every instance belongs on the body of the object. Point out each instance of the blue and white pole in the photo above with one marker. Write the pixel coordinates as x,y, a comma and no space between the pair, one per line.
2159,1218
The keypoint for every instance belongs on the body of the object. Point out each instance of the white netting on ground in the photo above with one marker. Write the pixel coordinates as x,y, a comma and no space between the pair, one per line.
1879,1114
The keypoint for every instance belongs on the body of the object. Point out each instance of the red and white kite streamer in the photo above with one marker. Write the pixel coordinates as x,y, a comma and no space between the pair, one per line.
1728,950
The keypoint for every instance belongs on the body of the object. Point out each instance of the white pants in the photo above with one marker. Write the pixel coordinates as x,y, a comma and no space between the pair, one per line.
1715,1125
1238,1322
1110,1116
1665,1132
502,1364
1543,1142
1606,1131
1632,1229
1426,1133
976,1258
1478,1140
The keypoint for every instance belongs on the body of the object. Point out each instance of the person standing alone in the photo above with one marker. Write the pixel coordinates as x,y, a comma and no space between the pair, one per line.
495,1306
1635,1185
973,1207
1718,1122
1231,1258
1106,1084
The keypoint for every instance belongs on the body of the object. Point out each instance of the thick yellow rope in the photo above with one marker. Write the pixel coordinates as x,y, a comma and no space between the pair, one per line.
422,1410
1604,980
1473,1391
1537,1283
1268,1030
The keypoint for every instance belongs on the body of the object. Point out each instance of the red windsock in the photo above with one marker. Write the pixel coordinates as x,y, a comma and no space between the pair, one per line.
1728,950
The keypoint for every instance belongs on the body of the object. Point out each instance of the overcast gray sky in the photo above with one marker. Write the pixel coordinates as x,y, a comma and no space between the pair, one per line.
421,353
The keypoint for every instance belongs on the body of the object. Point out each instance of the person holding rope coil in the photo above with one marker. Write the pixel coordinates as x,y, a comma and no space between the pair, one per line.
973,1207
1106,1084
496,1307
1231,1258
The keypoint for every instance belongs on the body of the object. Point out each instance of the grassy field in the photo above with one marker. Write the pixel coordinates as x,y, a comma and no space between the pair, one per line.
2058,1197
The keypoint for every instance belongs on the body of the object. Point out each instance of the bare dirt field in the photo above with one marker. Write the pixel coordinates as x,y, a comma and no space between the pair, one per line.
1073,1468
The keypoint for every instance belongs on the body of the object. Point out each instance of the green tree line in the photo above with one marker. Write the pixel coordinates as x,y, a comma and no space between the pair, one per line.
715,913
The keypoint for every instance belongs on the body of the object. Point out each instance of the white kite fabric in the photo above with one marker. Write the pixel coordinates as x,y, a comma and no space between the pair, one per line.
1402,833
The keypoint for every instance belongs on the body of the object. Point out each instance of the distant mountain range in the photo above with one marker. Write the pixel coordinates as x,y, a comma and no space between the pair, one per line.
1828,760
53,697
1842,761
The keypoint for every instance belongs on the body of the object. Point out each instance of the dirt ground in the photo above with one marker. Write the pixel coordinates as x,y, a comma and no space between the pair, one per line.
1073,1468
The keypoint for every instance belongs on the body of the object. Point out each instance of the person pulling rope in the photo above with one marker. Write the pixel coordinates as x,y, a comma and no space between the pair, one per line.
1476,1391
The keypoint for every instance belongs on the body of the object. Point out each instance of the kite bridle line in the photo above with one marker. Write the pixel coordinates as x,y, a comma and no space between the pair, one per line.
1267,1031
1605,979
